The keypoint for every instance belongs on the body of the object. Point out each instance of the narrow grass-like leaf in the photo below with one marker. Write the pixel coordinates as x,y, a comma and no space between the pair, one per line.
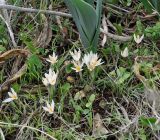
147,5
151,5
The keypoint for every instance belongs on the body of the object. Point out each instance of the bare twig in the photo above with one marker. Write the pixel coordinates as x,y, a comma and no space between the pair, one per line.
116,37
7,22
119,8
31,10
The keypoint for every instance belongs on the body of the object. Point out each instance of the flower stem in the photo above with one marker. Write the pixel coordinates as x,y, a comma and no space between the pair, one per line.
80,74
51,90
92,77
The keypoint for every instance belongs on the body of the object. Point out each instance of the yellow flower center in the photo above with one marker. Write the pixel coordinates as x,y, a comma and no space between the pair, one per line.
78,68
94,63
53,60
14,97
50,109
53,82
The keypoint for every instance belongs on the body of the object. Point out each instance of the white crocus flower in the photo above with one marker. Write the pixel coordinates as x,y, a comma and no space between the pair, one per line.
92,60
77,66
52,59
50,78
76,55
124,53
50,107
12,96
138,39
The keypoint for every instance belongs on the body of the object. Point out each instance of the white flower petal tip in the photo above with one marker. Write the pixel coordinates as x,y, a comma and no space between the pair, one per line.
52,59
50,78
92,60
8,100
12,96
138,39
77,66
49,108
125,53
76,55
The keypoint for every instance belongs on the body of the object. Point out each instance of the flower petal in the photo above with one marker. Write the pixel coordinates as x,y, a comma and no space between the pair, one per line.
8,100
13,92
10,94
45,108
124,53
47,75
141,38
49,60
52,104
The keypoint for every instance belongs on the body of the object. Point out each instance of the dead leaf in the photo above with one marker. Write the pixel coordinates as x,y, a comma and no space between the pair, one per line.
98,127
156,68
12,53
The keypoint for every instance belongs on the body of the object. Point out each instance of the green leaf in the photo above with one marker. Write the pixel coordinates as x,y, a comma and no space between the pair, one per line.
34,66
147,121
87,20
151,4
122,74
118,28
35,61
153,32
86,111
147,5
88,104
2,49
69,68
156,4
124,77
92,98
112,1
99,13
28,42
65,88
72,7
